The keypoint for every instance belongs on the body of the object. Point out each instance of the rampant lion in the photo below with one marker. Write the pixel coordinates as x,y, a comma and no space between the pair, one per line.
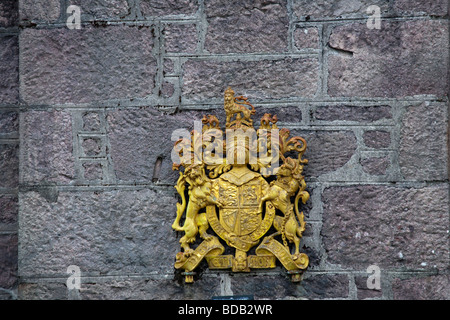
289,181
200,196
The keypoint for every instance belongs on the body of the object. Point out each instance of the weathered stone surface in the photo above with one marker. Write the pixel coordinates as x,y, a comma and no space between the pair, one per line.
168,7
180,38
324,286
319,9
91,146
326,150
427,288
246,26
377,139
9,12
281,78
110,232
167,89
63,66
423,152
144,135
305,38
8,260
43,291
313,286
436,7
123,289
407,58
8,209
9,69
101,9
93,170
392,227
316,9
168,289
39,10
363,292
375,165
9,122
9,165
46,151
91,121
168,66
363,114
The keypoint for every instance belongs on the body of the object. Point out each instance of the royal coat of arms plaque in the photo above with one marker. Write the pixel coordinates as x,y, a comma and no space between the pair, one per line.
237,187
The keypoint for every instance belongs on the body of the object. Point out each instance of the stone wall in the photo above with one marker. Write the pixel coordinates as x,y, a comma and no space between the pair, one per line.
86,118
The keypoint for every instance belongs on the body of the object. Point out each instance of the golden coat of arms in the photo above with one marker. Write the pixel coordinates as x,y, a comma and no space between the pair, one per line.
241,187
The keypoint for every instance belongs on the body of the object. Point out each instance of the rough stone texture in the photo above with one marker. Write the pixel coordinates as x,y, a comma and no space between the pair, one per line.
106,233
363,114
324,287
279,287
305,38
377,139
376,165
8,210
408,58
168,7
143,135
101,9
93,170
46,152
181,38
168,289
327,150
319,9
9,165
39,10
363,292
316,9
91,121
8,13
8,260
123,289
392,227
9,69
436,7
91,147
246,26
260,79
427,288
63,66
9,122
423,152
167,89
168,66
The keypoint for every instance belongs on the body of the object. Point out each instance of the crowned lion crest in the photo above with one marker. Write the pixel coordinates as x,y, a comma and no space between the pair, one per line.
236,185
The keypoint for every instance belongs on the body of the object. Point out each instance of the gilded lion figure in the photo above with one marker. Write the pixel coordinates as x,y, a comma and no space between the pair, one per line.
200,196
232,106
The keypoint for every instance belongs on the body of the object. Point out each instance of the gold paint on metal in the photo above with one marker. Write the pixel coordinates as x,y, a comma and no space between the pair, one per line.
234,197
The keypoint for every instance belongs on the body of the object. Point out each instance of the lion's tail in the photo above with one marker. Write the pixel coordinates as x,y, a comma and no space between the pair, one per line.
180,187
304,195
